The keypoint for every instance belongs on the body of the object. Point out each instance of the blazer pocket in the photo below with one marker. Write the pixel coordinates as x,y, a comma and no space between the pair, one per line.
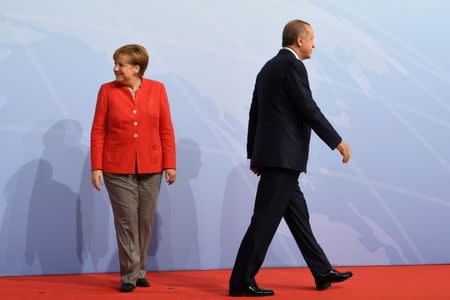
153,110
156,154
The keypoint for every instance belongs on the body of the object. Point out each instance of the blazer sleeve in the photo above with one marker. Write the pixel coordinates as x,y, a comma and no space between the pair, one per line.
252,123
166,132
98,131
298,89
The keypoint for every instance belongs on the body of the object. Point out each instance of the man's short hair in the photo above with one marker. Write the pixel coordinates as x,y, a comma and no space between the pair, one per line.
292,30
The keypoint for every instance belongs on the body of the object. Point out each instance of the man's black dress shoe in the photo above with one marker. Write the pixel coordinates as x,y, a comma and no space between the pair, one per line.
142,282
249,290
126,287
325,281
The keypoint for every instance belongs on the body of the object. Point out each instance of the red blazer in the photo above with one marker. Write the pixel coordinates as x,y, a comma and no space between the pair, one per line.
126,131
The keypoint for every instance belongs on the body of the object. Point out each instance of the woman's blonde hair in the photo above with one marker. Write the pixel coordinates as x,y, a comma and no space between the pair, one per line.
137,56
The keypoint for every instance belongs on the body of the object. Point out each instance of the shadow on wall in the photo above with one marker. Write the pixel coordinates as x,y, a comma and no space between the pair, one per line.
220,136
59,227
53,219
53,224
237,209
177,223
17,193
95,218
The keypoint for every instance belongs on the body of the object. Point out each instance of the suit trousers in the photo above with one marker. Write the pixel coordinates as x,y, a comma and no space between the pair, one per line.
133,200
278,196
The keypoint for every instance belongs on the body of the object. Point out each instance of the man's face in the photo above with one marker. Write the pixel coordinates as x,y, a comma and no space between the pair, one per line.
306,44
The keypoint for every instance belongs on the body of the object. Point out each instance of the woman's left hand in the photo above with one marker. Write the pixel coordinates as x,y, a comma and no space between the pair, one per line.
170,175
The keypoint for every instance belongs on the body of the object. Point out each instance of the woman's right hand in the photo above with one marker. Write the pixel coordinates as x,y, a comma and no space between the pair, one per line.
97,179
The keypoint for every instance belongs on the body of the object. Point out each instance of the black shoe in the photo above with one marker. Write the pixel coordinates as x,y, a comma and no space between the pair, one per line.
142,282
126,287
325,281
249,290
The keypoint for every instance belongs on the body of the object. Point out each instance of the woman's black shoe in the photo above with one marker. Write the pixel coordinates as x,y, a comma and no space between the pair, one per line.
126,287
142,282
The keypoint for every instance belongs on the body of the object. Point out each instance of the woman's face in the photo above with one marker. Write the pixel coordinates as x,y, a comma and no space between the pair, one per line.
124,71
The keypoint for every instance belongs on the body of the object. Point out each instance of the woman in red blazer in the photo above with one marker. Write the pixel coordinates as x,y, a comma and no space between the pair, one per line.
132,143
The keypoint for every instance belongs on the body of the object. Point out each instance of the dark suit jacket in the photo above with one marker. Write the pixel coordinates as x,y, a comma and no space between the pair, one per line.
282,115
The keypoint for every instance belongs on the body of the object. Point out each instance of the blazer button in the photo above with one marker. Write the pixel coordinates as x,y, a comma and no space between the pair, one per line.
134,111
135,123
135,135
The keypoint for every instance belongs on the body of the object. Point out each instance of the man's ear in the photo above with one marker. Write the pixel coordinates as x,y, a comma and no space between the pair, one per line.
299,40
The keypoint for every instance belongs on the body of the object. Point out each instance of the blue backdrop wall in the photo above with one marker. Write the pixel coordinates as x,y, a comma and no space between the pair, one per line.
380,72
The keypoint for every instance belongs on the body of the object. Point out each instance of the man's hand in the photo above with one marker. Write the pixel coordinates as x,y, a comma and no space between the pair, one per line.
97,179
344,148
171,175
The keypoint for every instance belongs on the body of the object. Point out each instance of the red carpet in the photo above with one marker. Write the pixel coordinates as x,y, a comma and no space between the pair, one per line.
405,282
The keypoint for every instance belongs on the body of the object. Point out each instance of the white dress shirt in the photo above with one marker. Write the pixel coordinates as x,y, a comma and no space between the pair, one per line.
287,48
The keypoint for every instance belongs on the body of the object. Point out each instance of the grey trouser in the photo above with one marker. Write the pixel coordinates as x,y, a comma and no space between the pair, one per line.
133,199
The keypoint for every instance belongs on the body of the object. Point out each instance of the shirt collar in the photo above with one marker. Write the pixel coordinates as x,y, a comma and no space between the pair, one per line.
293,52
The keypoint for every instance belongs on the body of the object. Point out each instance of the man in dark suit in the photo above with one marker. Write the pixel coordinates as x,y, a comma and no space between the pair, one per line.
282,115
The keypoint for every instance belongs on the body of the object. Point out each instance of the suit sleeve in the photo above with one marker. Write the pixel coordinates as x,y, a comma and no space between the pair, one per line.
298,89
98,131
166,132
252,122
